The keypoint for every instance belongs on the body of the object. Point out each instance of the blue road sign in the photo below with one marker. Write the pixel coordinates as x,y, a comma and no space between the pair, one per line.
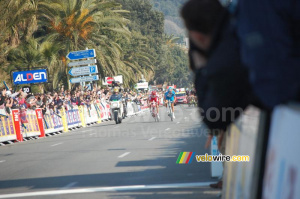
30,77
84,79
86,70
82,54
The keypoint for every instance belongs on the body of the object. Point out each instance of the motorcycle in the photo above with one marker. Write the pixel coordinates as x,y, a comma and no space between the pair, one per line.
117,110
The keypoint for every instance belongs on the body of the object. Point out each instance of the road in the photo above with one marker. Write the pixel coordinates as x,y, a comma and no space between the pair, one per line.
135,159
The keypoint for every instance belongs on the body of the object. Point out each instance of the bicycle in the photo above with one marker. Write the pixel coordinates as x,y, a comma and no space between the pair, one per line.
154,112
170,110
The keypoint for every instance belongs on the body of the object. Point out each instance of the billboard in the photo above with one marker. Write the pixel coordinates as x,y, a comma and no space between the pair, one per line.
142,85
30,77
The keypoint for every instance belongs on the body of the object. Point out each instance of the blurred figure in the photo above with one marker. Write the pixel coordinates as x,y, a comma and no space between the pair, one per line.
221,80
269,36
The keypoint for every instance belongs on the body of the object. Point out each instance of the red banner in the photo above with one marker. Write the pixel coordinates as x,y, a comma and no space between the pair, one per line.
17,125
39,116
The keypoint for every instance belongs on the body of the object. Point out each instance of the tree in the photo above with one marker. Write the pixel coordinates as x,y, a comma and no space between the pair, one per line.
77,24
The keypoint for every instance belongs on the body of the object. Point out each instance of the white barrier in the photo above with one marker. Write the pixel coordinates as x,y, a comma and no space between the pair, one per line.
241,139
130,109
282,173
90,114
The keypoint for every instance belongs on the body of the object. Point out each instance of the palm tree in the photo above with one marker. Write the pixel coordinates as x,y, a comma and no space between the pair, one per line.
77,24
18,20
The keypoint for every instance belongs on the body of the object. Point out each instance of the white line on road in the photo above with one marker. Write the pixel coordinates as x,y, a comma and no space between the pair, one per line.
151,138
56,144
68,186
123,155
177,122
2,161
87,130
167,129
107,189
93,134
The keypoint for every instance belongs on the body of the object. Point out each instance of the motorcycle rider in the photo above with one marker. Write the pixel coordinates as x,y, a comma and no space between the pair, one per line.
116,95
154,98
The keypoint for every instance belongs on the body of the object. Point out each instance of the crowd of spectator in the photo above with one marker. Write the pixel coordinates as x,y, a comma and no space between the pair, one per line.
54,101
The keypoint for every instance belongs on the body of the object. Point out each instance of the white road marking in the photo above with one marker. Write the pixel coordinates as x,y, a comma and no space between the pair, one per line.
2,161
177,122
123,155
107,189
56,144
185,118
93,134
87,130
68,186
167,129
151,138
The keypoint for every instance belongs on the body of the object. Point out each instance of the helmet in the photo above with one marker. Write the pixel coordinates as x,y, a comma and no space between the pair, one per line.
116,90
153,93
170,89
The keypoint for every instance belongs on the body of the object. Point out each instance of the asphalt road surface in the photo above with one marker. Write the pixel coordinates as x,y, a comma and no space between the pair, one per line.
135,159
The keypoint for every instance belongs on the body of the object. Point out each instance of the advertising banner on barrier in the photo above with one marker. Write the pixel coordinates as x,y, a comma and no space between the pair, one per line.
31,128
7,130
81,114
130,109
39,116
102,111
30,77
73,118
281,176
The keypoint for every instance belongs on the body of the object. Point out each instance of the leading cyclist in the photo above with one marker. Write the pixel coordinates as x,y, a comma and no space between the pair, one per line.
154,98
170,96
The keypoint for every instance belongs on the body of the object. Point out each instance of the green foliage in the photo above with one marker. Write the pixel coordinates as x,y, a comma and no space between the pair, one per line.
128,36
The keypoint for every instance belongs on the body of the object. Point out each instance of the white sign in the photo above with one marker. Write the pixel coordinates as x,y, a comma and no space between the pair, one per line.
82,63
119,79
86,70
282,177
143,85
216,167
84,79
82,54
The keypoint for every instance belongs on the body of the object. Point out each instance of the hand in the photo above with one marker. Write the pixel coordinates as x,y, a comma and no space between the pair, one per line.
4,92
208,141
220,139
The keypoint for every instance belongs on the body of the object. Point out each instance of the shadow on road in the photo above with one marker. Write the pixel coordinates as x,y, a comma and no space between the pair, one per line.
160,169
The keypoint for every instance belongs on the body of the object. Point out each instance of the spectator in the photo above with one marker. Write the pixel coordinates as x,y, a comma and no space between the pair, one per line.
269,36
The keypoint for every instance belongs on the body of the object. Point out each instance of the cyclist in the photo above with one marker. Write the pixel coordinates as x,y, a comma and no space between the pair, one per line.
170,96
154,98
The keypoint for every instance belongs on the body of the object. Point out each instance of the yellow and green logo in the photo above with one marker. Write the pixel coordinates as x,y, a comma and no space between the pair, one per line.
185,157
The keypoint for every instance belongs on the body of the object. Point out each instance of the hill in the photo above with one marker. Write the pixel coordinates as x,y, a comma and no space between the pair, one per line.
171,10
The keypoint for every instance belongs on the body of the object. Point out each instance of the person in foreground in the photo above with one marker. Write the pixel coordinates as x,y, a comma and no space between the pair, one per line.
221,81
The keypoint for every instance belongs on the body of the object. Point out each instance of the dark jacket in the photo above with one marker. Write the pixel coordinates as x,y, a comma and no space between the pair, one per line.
222,85
269,35
2,99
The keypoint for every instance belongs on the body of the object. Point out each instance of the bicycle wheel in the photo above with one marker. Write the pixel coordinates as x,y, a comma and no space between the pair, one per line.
171,112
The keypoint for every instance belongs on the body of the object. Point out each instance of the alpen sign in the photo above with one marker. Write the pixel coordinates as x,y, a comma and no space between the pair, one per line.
30,77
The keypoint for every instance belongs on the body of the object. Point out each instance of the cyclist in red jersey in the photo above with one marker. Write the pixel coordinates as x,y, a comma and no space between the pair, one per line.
154,98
